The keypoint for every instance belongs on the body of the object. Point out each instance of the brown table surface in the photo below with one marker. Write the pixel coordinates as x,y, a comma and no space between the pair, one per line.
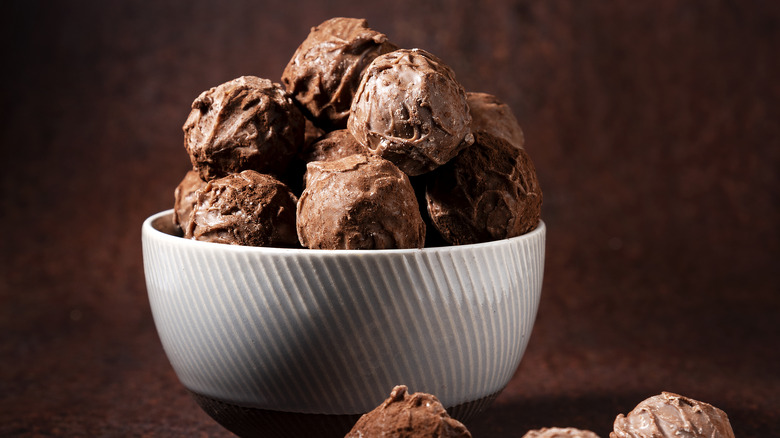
654,129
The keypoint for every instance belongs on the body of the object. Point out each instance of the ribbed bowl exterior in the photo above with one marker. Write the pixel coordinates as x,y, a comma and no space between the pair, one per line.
331,332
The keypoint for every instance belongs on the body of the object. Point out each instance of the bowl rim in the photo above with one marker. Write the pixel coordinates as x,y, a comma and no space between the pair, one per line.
148,229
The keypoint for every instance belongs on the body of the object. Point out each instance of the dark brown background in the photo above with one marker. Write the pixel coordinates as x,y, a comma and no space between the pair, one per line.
654,129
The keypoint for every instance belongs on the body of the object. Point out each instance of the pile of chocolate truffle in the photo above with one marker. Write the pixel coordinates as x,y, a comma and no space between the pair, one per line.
666,415
365,146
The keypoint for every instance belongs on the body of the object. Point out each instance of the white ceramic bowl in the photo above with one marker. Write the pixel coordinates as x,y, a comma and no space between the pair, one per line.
329,333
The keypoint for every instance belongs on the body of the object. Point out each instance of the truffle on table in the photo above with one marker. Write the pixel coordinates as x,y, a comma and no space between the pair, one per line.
408,416
358,202
490,114
247,208
670,415
185,197
410,109
560,432
248,123
490,191
325,70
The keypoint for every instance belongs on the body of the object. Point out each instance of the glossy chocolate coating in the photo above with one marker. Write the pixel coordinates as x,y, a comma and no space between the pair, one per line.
488,192
358,202
411,110
247,208
490,114
405,415
671,415
325,70
248,123
185,197
333,146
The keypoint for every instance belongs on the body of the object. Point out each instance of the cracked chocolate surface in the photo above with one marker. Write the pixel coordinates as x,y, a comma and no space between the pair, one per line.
670,415
248,123
411,110
358,202
246,208
325,70
404,415
488,192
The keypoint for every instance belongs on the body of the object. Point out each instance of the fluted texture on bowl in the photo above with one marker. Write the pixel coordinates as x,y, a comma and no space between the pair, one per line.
331,332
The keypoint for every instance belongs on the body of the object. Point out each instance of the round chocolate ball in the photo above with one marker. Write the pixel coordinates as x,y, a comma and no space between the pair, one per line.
325,70
247,208
404,415
490,114
248,123
411,110
358,202
185,197
672,415
490,191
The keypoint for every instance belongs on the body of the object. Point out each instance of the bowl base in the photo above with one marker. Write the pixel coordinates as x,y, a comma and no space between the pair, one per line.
253,422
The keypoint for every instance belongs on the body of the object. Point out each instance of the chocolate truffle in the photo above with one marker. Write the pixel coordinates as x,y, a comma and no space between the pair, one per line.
489,114
334,145
358,202
326,69
248,123
185,197
411,110
408,416
488,192
247,208
670,415
559,432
